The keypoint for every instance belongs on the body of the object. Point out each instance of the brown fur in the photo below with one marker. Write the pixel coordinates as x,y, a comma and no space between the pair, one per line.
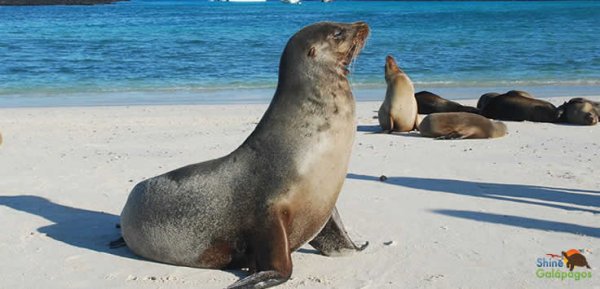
460,125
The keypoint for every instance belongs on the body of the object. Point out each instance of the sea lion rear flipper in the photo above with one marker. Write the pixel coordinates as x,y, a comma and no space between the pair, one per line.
333,240
273,257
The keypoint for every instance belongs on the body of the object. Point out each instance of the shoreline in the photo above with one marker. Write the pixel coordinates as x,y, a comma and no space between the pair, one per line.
261,96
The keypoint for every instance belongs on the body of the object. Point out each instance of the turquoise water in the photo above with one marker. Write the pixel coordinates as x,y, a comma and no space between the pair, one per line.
184,48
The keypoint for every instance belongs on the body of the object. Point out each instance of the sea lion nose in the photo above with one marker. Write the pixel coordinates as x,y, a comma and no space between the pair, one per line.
362,28
361,24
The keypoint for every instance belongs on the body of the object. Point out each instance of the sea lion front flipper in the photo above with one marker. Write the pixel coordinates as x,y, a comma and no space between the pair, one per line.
333,240
273,256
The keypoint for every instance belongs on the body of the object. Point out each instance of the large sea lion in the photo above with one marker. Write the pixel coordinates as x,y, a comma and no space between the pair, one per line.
399,111
429,102
460,125
580,111
519,106
277,191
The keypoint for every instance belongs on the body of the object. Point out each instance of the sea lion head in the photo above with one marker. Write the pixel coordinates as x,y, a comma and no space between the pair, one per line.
322,51
578,112
391,68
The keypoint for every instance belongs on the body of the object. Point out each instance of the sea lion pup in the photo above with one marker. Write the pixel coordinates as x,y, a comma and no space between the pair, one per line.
277,191
398,112
429,102
580,111
460,125
516,106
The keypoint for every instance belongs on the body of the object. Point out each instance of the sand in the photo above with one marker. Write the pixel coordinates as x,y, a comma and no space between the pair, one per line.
451,214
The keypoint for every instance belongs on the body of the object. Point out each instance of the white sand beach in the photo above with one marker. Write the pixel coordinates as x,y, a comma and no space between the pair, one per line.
451,214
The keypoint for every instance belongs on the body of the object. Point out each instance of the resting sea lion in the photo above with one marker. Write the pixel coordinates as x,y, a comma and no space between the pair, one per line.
580,111
277,191
398,112
518,107
429,102
460,125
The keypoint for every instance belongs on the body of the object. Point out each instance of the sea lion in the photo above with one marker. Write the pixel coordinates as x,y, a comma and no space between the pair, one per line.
429,102
516,106
580,111
277,191
399,111
574,258
460,125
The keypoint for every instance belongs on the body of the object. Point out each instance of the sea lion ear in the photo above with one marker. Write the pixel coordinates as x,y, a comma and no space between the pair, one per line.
312,52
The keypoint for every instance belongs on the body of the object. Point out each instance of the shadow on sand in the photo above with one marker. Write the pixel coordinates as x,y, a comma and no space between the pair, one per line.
376,129
77,227
558,198
369,128
528,223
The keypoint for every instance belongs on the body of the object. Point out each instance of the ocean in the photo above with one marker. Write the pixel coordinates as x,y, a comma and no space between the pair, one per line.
217,52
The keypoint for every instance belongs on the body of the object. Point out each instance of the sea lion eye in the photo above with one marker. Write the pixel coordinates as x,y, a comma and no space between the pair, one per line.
337,34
